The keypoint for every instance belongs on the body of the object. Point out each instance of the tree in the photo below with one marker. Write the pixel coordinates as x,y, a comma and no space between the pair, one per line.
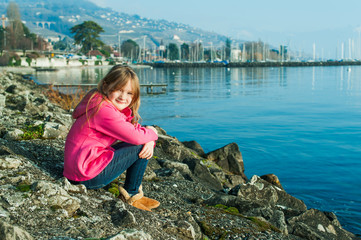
15,30
60,45
228,49
173,51
129,49
87,35
106,50
185,52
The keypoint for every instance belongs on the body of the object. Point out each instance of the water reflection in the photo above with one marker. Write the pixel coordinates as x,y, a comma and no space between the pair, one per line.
76,75
223,81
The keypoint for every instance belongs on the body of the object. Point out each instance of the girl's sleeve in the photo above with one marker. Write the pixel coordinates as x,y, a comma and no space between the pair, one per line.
110,122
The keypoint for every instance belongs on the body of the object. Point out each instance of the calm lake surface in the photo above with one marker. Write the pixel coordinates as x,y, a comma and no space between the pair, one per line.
302,124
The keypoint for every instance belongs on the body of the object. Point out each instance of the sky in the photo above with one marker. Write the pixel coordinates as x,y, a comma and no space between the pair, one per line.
323,27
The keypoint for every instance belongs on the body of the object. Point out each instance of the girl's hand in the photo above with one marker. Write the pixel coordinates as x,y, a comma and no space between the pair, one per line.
147,151
153,128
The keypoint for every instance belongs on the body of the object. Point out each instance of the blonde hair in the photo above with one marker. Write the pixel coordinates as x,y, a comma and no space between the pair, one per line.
116,79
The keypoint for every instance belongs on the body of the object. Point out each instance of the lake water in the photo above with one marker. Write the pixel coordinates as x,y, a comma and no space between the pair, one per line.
302,124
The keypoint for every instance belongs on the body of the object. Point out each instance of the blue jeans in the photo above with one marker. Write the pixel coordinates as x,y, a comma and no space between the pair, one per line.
126,157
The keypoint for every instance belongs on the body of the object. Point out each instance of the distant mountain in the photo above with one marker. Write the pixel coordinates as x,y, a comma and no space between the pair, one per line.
51,18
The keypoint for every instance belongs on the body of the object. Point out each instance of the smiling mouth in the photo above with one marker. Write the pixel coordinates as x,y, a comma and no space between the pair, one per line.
121,102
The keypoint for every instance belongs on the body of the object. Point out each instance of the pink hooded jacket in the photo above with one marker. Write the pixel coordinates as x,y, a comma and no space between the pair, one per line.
88,144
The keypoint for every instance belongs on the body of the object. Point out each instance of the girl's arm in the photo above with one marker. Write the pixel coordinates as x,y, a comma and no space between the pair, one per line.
147,150
112,123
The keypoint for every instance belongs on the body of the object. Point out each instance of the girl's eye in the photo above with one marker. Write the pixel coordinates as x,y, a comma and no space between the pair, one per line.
130,93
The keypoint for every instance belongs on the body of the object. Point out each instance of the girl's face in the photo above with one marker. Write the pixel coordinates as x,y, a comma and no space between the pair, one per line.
123,97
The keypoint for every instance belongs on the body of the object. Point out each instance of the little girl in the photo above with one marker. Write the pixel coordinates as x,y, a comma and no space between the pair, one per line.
106,115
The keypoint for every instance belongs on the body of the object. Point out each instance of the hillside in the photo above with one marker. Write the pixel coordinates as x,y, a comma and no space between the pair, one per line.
55,18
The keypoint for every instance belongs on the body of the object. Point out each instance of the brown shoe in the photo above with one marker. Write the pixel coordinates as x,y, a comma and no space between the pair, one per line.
138,200
148,202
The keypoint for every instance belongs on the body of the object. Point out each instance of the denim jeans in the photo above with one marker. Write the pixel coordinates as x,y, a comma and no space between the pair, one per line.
126,157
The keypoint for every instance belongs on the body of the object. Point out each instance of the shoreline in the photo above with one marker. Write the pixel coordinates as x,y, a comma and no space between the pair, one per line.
252,64
50,67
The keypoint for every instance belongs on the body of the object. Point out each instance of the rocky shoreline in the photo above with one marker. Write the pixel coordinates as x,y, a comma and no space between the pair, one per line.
202,195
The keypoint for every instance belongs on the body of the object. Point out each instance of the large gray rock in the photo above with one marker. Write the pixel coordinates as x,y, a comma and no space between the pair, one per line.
9,162
14,134
203,173
55,130
180,229
12,89
314,224
16,102
259,189
195,146
54,196
131,234
10,232
228,158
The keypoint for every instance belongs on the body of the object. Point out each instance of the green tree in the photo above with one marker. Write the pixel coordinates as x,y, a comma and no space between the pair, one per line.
2,39
185,52
129,49
87,35
173,51
106,50
60,45
228,49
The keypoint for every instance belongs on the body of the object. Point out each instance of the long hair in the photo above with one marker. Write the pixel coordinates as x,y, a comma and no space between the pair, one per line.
116,79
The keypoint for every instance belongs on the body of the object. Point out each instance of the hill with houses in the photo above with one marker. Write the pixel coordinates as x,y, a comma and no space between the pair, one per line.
53,20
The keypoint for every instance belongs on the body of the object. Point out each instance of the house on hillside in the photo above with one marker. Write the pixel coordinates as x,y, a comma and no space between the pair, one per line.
95,54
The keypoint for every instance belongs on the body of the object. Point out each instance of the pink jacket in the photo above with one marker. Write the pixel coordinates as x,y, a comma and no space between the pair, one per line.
88,144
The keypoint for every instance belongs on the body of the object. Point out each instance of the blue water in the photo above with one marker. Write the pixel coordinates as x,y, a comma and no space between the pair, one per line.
302,124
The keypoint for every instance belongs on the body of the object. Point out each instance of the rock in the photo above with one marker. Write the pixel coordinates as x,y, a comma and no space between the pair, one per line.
15,134
168,172
170,148
36,110
273,179
16,102
181,167
56,197
9,162
290,203
314,224
4,214
278,220
180,229
80,188
203,174
12,198
235,180
228,158
55,130
196,147
131,234
123,218
10,232
11,89
2,101
258,189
